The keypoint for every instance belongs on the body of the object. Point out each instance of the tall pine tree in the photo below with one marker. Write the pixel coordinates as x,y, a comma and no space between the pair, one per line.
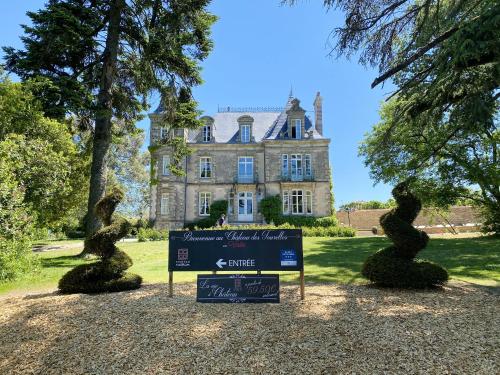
105,58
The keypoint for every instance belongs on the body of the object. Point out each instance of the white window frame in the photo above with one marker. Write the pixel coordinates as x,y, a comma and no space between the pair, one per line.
204,200
297,207
207,133
297,125
245,134
307,165
296,163
245,160
164,204
166,165
206,167
284,165
308,203
286,202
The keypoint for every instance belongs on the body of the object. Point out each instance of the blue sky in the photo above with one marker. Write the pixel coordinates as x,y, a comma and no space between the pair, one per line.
261,50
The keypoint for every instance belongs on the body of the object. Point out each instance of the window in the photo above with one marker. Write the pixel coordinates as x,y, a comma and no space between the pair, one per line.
286,203
297,202
207,133
284,165
204,204
296,167
163,133
164,204
245,169
205,167
166,165
307,166
308,202
245,133
296,129
179,132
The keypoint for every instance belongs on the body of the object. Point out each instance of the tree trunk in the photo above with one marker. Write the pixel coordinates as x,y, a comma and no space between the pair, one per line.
103,117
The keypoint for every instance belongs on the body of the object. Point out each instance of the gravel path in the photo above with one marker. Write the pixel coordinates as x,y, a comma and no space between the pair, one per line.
338,329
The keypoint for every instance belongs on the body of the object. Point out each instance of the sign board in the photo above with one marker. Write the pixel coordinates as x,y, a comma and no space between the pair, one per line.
238,288
236,250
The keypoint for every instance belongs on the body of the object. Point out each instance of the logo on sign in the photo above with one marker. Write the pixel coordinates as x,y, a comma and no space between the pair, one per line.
288,258
182,254
182,258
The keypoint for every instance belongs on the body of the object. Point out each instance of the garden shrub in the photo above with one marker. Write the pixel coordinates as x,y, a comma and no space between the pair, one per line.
396,266
16,229
151,234
270,208
108,274
333,231
217,208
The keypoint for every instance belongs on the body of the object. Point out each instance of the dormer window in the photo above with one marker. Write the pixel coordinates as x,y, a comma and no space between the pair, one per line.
245,123
207,133
296,129
245,133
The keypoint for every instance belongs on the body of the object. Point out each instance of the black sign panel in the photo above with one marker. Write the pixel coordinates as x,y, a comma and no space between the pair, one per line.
238,288
236,250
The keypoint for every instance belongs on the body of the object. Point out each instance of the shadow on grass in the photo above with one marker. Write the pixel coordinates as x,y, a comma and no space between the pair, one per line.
464,257
64,261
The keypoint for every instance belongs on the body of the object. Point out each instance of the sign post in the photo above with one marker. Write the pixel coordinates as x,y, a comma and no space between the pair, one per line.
236,250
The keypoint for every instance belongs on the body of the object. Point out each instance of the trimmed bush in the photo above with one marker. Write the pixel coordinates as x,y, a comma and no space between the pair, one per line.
217,208
108,274
270,208
395,266
306,231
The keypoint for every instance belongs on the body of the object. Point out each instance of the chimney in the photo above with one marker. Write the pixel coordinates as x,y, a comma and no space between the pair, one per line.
318,113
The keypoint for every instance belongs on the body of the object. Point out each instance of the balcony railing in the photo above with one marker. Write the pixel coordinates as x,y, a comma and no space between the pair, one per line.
245,179
298,177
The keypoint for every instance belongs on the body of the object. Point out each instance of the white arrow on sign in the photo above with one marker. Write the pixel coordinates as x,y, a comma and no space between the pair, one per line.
221,263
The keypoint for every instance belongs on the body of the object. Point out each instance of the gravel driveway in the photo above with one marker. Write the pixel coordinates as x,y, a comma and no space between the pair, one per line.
337,330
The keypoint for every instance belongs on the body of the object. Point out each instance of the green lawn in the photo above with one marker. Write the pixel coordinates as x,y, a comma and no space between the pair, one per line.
475,260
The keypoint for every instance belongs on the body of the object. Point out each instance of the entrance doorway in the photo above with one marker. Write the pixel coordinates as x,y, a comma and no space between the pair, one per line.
245,206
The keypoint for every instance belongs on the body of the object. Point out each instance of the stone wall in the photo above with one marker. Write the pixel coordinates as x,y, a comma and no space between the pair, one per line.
458,216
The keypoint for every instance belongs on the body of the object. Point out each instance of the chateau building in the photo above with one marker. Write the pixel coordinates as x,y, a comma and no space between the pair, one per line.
242,155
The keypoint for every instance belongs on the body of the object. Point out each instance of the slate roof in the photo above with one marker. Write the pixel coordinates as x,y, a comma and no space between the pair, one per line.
265,126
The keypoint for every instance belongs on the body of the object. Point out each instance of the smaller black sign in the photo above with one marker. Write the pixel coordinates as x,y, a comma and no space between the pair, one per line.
238,288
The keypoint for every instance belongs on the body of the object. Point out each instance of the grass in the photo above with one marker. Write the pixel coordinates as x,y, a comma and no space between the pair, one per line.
339,260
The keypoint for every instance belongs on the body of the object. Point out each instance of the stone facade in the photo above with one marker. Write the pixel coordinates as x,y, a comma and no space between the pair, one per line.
242,157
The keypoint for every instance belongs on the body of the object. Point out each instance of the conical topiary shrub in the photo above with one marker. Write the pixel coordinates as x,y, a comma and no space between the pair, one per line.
108,274
396,266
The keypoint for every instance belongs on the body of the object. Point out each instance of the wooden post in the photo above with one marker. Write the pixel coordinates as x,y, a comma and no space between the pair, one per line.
302,286
170,284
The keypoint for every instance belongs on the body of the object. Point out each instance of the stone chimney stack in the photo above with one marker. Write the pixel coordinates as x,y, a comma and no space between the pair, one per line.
318,113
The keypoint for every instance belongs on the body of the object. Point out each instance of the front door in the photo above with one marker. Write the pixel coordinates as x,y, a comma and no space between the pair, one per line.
245,206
